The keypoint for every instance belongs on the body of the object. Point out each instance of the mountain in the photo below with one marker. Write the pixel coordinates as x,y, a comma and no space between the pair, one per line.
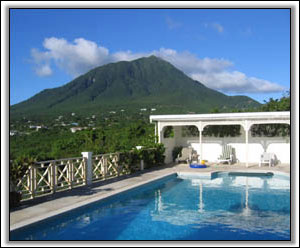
143,83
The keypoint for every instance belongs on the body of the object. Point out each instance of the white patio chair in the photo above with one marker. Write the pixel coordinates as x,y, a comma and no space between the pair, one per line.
267,158
186,155
228,155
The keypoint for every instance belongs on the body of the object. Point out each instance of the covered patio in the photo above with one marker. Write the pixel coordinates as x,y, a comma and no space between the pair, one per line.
248,148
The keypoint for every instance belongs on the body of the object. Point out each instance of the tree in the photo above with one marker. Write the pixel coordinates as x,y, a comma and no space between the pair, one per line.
282,104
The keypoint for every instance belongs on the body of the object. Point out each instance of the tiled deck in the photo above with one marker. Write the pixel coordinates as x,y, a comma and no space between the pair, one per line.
40,208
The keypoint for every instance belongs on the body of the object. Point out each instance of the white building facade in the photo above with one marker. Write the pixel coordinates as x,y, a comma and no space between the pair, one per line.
248,149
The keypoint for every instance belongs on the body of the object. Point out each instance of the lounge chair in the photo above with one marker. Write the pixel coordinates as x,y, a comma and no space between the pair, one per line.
186,154
268,158
228,155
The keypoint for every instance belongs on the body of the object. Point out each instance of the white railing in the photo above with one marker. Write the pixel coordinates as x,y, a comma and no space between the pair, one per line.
51,176
106,166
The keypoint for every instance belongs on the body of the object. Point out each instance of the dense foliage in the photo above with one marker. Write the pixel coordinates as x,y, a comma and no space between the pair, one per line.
282,104
212,131
151,156
271,130
55,143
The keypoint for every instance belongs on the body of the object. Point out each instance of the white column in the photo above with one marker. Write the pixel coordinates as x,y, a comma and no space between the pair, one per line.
89,169
247,140
159,132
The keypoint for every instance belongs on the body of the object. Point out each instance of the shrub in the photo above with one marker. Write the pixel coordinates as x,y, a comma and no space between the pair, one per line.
151,156
176,151
17,170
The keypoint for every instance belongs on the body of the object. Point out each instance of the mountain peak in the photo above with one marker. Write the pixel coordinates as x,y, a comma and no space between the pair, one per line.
154,57
150,58
145,82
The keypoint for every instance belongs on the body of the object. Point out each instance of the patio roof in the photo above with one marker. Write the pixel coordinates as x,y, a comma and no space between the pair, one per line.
284,115
246,120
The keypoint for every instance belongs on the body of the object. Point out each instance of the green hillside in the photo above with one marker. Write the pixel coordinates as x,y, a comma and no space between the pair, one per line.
143,83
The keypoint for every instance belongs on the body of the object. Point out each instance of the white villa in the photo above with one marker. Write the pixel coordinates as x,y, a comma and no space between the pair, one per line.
75,129
248,149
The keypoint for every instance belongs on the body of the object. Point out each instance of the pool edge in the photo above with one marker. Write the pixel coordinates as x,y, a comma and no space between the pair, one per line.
53,213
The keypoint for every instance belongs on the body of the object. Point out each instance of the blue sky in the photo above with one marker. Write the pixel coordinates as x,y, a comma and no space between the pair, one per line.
237,51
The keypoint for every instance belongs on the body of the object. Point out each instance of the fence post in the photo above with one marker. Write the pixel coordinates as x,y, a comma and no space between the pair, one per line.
142,165
89,169
53,172
32,181
70,169
104,167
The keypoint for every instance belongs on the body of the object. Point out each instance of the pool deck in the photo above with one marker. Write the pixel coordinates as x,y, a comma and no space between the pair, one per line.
43,207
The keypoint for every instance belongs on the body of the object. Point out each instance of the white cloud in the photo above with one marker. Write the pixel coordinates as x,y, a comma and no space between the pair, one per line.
43,70
236,82
189,63
126,56
83,55
76,58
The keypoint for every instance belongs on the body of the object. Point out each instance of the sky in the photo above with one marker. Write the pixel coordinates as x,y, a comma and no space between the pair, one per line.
234,51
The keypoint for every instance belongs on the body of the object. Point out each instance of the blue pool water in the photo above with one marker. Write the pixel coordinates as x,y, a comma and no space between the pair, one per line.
227,207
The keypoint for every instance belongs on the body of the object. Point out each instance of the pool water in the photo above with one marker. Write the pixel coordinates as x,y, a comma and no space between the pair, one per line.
227,207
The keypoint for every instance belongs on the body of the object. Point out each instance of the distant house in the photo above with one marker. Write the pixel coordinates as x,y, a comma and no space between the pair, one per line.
40,127
153,109
143,109
75,129
13,132
112,112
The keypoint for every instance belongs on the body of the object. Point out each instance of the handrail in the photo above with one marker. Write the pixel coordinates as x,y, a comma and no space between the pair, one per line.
48,177
54,160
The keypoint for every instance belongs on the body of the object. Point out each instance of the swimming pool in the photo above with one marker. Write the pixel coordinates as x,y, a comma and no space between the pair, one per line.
218,206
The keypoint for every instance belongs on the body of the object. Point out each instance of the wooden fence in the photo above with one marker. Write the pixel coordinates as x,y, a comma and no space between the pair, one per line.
48,177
